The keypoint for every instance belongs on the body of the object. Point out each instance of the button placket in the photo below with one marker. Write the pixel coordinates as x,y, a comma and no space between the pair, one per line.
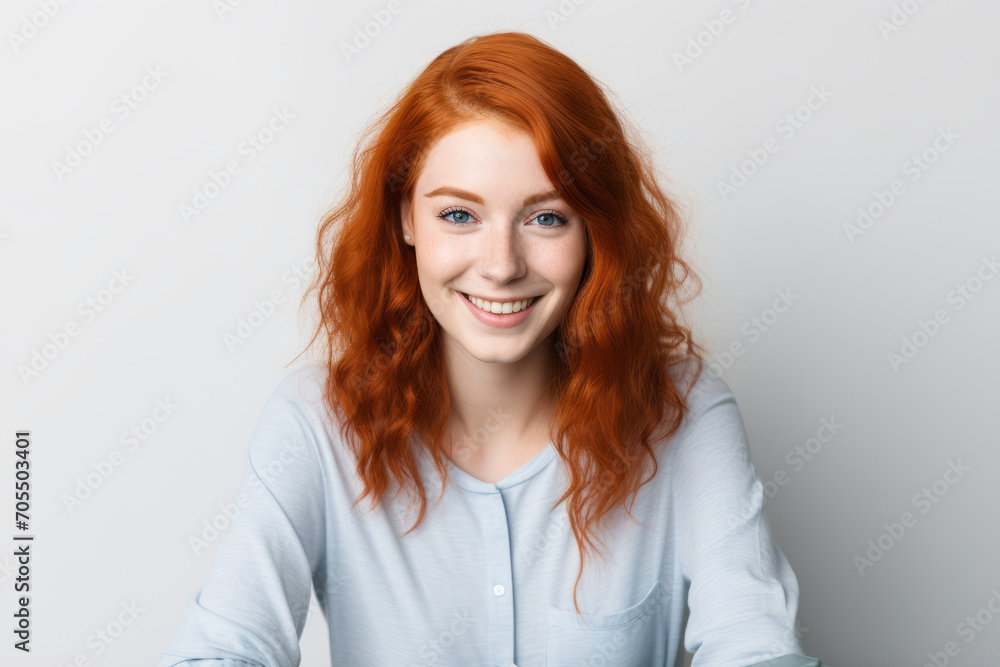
501,636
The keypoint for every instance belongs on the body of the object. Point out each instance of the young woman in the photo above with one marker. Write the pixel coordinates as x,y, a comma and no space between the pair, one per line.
499,298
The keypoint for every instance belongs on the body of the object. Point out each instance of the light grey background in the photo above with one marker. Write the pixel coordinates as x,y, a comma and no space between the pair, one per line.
162,335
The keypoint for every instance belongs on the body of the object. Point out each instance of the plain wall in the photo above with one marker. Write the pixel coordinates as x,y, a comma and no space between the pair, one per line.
871,593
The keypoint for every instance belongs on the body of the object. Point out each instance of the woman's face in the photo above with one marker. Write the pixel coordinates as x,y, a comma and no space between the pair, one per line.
486,221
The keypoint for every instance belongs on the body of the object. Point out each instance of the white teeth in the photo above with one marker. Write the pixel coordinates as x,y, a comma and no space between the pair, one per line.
501,308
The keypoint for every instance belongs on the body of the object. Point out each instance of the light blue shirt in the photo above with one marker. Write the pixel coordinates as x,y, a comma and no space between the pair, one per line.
487,578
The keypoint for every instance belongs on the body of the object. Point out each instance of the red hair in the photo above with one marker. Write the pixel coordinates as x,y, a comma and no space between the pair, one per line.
616,342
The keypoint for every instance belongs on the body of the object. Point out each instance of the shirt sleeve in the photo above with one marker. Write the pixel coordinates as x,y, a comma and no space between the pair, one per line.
743,595
252,608
790,661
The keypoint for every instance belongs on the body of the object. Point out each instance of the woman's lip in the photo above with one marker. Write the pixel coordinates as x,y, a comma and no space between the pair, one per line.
465,294
498,320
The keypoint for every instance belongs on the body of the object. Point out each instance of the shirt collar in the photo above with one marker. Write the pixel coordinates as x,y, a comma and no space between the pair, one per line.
466,481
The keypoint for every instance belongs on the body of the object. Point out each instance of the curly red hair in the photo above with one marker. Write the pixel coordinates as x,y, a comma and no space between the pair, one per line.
615,345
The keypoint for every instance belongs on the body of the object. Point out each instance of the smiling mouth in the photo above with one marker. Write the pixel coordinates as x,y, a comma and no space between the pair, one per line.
500,308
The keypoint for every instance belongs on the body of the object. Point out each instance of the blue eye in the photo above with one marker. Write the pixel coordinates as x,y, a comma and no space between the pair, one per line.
455,211
554,219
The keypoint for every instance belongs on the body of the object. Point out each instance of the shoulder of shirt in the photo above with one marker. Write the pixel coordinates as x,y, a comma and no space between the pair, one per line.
298,404
301,391
303,385
708,390
701,395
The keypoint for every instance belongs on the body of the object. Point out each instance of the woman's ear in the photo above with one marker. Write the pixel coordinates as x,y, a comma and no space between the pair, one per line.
404,217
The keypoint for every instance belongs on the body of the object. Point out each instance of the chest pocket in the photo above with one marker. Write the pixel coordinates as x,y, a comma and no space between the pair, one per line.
624,639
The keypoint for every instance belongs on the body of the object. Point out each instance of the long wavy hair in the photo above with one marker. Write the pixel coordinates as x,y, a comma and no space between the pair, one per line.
615,345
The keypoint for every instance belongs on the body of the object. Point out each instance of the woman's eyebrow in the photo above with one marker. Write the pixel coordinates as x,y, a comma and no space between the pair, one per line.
471,196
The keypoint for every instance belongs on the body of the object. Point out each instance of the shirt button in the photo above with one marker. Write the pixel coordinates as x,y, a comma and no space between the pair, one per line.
498,590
